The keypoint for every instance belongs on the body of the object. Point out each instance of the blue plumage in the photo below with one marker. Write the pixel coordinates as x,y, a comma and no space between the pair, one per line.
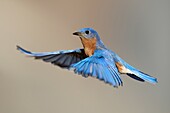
98,66
93,60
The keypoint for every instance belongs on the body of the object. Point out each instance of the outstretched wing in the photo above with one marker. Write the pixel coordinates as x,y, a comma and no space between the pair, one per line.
62,59
99,67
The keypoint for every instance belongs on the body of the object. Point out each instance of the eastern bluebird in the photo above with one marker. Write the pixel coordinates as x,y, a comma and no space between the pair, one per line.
94,59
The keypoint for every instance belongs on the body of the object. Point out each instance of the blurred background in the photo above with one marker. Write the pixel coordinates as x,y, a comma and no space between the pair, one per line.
137,30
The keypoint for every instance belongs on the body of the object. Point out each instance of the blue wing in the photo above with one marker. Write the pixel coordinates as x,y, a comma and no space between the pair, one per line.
99,67
96,66
62,59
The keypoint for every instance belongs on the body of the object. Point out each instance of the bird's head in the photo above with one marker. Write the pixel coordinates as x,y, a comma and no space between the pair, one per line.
89,38
86,33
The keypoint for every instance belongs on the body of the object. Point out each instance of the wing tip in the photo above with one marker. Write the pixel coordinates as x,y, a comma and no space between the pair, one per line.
18,47
23,50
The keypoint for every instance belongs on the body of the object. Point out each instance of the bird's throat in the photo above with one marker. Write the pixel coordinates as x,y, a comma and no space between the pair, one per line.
89,45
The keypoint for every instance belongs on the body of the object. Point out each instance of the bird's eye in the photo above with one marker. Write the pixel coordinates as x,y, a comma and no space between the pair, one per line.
87,32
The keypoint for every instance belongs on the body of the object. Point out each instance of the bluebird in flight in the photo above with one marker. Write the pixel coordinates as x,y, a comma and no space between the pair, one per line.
94,60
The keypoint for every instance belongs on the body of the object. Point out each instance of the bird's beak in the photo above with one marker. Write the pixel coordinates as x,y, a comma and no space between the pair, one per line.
77,33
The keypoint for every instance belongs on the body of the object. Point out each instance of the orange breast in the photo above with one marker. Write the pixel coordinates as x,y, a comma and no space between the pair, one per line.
122,69
119,66
89,45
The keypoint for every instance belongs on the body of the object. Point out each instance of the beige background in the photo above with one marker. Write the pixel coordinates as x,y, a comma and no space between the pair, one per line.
137,30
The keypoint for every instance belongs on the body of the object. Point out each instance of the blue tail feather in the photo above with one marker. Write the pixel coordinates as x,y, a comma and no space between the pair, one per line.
144,76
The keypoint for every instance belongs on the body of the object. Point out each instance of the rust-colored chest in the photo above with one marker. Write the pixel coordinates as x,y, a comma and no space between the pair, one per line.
89,45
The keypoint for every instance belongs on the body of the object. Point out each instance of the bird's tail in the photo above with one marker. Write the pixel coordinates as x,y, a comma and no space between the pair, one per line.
135,73
138,75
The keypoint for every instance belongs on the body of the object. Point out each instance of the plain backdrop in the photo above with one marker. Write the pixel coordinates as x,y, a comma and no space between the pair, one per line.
137,30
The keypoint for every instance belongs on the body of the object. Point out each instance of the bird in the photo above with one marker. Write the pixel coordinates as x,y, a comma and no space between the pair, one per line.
94,59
